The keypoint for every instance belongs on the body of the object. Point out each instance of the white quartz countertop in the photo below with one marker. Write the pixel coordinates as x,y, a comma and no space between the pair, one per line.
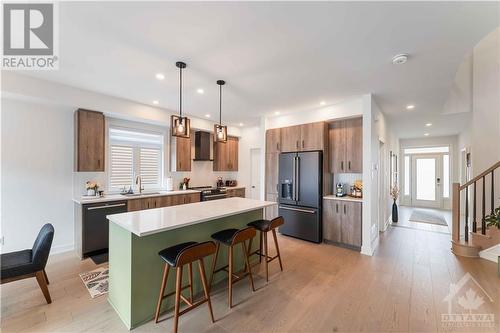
346,198
118,197
151,221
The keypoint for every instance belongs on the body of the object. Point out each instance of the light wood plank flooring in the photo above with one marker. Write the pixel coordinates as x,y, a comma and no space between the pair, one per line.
323,289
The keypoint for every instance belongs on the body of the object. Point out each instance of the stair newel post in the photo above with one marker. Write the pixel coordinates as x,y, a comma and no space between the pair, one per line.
483,222
466,213
474,223
455,230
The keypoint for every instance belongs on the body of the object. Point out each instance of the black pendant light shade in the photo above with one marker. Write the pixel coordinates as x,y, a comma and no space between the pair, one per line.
180,125
220,132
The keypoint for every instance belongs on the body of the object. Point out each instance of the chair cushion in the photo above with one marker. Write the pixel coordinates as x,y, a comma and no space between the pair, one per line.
170,254
225,236
17,263
261,225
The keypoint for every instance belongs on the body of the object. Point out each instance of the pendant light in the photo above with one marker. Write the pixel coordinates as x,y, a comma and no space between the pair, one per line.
181,126
220,132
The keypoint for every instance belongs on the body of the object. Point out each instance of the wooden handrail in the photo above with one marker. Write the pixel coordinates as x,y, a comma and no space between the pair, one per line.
481,175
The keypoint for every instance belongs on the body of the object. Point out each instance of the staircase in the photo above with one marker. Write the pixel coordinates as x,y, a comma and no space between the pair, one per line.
479,202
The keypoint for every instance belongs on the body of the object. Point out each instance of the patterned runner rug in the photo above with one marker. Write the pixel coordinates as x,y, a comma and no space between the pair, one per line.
96,281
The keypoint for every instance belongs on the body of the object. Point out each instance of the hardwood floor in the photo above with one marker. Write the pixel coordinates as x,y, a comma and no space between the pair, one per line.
323,289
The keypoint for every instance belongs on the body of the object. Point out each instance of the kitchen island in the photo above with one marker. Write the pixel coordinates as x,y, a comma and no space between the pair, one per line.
135,238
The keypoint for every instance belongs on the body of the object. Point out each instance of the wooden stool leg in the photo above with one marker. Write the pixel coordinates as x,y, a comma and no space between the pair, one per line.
247,264
40,278
260,247
265,256
277,248
162,291
178,287
191,282
201,268
214,263
46,277
249,246
230,261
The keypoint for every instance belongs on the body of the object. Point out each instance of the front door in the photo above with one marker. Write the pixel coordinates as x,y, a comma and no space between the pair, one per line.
426,179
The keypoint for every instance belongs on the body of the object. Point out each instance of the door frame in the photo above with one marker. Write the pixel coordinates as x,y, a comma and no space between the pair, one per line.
438,201
252,189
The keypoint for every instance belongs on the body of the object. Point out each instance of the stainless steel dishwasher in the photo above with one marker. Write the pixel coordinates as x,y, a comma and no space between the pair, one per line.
95,225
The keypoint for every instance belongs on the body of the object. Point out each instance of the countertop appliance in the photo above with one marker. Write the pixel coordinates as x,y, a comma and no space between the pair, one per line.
339,192
95,225
211,193
300,194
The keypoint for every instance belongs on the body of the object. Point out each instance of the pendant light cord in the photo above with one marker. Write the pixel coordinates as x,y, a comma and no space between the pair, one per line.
220,104
180,93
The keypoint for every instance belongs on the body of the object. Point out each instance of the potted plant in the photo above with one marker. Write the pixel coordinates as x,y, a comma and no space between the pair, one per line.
394,195
493,220
91,188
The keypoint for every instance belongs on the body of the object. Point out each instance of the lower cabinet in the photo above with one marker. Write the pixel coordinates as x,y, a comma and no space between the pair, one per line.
162,201
342,221
271,212
235,192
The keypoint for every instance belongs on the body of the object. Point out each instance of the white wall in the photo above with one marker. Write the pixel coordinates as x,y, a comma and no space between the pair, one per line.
250,139
37,174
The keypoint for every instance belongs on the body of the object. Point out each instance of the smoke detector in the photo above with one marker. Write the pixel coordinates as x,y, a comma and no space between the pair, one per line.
400,59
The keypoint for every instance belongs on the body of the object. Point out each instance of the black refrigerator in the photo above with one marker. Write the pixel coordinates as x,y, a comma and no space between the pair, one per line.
300,194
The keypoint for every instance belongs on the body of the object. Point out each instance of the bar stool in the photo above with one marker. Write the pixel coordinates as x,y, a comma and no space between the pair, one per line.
230,238
176,257
264,226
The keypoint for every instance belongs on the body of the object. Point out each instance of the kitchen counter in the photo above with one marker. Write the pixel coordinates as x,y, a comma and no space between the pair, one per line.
151,221
135,238
346,198
118,197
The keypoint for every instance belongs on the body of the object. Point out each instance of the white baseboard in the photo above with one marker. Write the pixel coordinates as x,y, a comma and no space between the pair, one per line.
62,248
491,253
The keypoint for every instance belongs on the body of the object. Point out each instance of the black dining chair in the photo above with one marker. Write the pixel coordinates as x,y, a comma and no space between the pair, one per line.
30,263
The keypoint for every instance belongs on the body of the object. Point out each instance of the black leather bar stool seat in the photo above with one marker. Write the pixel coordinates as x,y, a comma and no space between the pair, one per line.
225,236
264,226
171,254
231,238
176,257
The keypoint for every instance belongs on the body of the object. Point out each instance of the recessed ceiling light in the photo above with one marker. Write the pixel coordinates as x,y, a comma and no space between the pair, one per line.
322,103
400,59
207,116
410,107
428,124
277,113
160,76
241,124
426,134
156,102
200,91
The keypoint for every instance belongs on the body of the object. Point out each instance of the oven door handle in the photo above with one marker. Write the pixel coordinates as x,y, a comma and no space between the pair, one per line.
215,196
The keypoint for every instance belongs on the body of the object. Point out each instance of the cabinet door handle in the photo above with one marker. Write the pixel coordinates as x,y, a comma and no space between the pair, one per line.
277,146
98,163
106,206
342,165
344,209
349,165
337,207
302,143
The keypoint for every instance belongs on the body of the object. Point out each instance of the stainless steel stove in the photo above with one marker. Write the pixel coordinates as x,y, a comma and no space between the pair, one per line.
211,193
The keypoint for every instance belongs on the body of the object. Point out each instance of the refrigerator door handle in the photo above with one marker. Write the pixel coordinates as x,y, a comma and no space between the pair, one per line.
298,179
294,181
298,210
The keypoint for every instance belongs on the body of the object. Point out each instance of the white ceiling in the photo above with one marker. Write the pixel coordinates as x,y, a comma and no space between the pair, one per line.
285,56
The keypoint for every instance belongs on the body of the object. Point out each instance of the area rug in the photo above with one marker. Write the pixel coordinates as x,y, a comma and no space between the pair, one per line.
424,216
96,281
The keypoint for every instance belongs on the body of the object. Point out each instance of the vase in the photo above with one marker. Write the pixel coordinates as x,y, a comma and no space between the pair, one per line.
394,212
91,192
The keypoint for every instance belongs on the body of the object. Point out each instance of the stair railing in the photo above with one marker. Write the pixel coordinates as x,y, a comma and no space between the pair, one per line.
457,189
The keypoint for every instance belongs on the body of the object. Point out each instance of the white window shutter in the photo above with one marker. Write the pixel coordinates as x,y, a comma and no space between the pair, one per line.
150,167
122,166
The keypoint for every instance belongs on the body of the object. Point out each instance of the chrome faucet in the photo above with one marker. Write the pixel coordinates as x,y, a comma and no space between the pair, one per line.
138,181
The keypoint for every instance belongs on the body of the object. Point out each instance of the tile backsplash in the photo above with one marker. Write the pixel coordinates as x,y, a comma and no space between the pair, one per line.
345,178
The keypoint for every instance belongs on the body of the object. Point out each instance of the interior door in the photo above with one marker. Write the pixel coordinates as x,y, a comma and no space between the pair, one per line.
426,181
255,173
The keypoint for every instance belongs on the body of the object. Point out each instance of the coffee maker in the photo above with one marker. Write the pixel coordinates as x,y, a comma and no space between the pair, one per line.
340,190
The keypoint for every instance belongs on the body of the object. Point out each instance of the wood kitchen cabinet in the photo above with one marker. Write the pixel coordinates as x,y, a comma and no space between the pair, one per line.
226,155
89,140
235,192
162,201
272,169
346,146
180,154
290,138
305,137
272,211
134,205
273,140
342,222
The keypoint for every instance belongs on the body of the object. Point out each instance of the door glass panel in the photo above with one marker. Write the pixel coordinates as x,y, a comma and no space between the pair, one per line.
426,179
446,176
407,175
